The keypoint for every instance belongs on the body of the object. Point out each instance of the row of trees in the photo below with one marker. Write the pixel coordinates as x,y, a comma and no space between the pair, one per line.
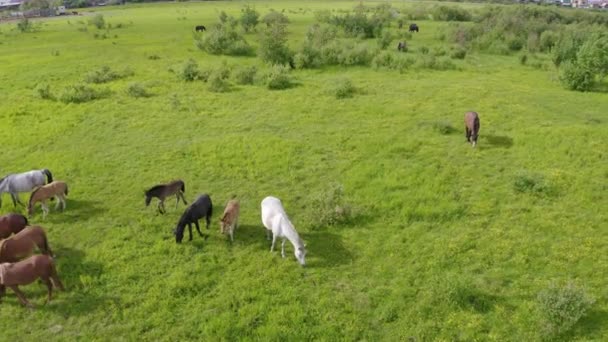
579,51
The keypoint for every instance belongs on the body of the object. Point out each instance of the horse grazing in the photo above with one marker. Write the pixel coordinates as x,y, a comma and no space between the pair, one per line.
200,28
23,182
471,127
22,244
230,218
275,219
26,272
11,224
200,208
402,47
163,191
57,189
414,28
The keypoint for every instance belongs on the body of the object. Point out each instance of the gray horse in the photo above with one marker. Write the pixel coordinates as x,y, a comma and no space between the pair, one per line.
23,182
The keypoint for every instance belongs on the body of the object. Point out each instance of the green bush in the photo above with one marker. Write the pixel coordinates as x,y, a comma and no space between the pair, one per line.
278,77
523,59
533,183
98,21
561,307
444,127
327,208
25,25
385,40
218,82
392,61
223,40
43,91
249,18
273,45
342,88
79,93
548,39
245,75
189,71
105,74
275,18
458,53
136,90
451,13
576,77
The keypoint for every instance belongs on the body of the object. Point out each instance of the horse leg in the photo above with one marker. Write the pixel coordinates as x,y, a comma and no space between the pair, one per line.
21,296
45,209
176,200
198,228
58,202
283,248
49,287
14,199
2,291
183,198
208,219
267,234
467,133
274,239
55,278
62,199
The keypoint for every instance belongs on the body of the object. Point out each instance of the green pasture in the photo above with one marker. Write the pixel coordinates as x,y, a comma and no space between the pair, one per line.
443,243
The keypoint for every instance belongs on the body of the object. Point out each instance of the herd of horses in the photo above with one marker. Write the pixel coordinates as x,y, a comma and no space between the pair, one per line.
18,240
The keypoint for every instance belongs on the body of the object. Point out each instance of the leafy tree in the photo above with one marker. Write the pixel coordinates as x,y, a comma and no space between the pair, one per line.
249,18
273,45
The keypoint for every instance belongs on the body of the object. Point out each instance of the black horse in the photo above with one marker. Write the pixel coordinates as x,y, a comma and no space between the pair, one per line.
414,27
200,208
200,28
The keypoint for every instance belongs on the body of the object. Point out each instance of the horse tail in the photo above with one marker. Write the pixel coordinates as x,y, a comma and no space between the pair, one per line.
45,243
183,187
210,211
66,190
49,175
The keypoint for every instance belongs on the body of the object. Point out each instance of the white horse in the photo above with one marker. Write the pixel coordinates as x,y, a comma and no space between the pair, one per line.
275,219
23,182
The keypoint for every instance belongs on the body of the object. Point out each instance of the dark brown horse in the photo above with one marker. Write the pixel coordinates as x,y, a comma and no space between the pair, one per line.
471,127
11,224
200,208
22,244
163,191
26,272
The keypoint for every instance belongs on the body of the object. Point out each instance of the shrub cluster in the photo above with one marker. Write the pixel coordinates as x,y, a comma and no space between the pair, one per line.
79,93
583,59
327,208
223,39
137,90
561,306
278,77
106,74
342,88
273,44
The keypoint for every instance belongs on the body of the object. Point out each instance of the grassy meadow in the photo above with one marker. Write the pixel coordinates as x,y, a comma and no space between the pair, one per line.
445,242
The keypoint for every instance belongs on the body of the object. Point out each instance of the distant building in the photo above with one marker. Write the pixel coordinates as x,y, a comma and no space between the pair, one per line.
580,3
10,4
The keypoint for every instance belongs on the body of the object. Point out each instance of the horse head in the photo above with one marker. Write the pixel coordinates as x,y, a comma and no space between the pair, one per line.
300,254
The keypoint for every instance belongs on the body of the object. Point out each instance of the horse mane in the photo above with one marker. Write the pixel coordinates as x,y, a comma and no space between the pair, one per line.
154,188
29,203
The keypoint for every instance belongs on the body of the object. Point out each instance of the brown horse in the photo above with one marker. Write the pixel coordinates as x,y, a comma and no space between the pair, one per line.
162,191
22,244
26,272
471,127
230,219
57,189
11,224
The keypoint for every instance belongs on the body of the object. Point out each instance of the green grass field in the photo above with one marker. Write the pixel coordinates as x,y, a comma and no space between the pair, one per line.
441,245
